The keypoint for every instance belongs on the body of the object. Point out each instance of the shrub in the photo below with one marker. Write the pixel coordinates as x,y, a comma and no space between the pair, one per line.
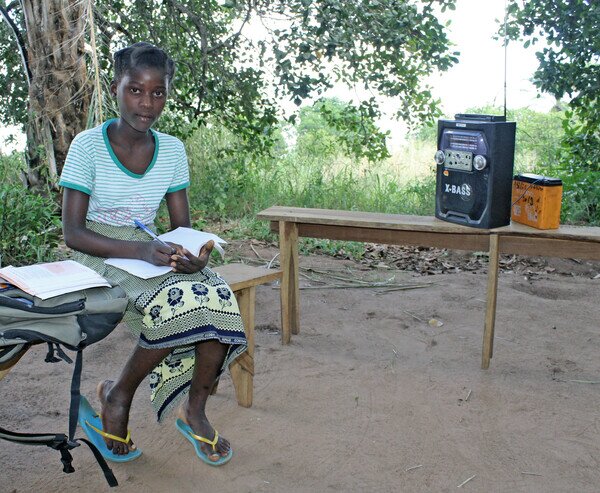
29,227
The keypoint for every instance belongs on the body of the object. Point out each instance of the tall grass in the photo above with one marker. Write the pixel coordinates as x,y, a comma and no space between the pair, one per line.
230,185
312,172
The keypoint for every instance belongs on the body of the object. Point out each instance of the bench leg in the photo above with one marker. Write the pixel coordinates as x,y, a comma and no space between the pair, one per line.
490,306
3,373
6,367
242,368
290,297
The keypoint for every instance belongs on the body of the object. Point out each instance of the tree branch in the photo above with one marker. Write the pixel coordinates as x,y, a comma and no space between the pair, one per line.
203,32
19,39
116,26
231,40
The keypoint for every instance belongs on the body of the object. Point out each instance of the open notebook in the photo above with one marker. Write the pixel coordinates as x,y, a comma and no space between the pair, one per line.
189,238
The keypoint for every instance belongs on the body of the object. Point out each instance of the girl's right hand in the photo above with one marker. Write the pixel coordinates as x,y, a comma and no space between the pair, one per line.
156,253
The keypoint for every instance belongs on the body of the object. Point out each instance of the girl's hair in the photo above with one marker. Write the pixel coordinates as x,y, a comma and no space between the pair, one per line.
142,54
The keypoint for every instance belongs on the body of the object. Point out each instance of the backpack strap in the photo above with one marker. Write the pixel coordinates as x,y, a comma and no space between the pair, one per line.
54,347
59,441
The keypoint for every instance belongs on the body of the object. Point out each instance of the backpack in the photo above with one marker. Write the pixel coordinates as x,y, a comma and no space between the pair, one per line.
72,321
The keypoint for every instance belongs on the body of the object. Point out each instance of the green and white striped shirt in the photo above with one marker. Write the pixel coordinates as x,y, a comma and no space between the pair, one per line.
118,196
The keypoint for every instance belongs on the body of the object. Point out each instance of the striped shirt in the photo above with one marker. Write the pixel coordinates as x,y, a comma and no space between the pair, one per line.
117,195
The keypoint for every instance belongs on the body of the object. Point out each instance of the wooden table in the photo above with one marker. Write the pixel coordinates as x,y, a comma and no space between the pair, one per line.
394,229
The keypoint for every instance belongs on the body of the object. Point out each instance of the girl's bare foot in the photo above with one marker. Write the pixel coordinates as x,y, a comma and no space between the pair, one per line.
115,416
202,427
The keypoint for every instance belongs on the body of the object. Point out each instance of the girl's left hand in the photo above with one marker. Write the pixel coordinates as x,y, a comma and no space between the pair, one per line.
185,262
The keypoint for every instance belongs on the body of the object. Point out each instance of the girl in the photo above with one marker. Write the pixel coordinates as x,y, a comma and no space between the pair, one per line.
188,322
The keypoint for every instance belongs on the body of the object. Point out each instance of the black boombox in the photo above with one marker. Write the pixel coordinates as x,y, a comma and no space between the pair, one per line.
474,173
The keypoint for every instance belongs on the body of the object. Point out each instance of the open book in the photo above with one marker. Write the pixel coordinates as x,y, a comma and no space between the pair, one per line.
188,238
53,278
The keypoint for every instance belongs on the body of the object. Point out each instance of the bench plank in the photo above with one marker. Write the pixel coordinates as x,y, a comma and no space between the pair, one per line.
241,276
550,247
457,241
563,232
375,220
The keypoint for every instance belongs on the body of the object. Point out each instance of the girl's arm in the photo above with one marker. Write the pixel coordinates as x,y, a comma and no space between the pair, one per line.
79,237
179,214
179,209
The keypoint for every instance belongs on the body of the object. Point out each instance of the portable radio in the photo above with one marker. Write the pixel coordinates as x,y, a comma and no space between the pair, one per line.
474,172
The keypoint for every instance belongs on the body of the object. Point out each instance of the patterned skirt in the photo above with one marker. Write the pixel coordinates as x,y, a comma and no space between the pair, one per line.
173,311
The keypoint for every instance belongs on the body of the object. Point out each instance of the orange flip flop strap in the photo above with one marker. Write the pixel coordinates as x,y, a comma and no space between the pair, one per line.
212,442
125,440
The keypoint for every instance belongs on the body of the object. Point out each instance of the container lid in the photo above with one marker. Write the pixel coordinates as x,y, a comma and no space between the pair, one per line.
539,179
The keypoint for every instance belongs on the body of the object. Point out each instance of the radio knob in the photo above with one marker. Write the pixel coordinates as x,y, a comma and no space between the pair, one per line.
440,157
479,162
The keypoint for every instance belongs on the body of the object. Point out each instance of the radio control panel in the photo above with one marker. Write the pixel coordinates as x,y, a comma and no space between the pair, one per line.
460,160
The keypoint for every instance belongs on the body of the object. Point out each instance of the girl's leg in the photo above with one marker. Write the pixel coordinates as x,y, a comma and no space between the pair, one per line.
209,359
116,397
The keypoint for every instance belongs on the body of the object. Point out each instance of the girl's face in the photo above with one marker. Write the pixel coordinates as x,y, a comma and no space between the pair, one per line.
141,95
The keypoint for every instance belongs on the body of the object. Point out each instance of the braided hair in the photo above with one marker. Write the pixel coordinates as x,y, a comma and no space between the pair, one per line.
142,54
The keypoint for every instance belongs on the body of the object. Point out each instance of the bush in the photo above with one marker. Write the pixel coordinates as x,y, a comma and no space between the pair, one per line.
29,227
10,167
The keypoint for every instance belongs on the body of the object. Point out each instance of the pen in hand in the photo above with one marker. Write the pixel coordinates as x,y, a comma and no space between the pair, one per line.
145,228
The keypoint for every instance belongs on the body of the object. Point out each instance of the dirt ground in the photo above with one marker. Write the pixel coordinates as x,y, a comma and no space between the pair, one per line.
381,391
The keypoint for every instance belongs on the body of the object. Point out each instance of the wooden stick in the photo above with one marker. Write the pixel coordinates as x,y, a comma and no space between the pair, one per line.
272,260
466,481
413,316
413,467
257,254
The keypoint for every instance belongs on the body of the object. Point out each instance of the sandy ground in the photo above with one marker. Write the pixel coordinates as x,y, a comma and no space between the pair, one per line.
368,397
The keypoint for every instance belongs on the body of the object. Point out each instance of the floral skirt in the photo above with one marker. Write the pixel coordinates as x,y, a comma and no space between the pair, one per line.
173,311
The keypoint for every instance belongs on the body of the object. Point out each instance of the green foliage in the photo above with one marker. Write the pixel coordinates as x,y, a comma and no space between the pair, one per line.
10,167
581,196
568,61
229,77
569,54
332,122
29,226
315,172
13,84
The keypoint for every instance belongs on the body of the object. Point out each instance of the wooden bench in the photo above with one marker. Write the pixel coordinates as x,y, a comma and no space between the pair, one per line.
293,222
243,280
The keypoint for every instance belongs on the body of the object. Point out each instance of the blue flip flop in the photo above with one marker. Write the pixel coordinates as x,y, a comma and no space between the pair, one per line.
187,432
91,423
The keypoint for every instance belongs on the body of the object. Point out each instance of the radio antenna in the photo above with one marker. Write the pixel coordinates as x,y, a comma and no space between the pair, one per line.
505,50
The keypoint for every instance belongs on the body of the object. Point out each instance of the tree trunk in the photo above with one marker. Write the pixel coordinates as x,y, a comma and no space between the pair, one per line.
59,92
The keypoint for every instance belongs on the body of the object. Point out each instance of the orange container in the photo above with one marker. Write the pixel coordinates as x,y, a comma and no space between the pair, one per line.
536,200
